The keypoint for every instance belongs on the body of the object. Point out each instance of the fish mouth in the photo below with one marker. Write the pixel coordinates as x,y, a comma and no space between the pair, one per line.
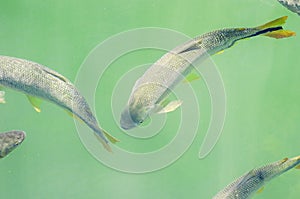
20,136
127,127
126,121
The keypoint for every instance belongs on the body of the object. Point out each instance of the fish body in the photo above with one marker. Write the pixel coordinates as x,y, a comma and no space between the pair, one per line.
39,81
150,90
253,181
292,5
9,141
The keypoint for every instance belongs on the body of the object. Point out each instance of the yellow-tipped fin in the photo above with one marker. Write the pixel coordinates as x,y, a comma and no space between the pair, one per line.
297,167
274,23
105,145
172,106
220,52
261,190
279,34
191,77
74,116
110,137
35,102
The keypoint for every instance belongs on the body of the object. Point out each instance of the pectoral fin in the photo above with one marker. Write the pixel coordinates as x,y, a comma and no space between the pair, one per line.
35,102
220,52
297,167
191,77
260,190
2,99
172,106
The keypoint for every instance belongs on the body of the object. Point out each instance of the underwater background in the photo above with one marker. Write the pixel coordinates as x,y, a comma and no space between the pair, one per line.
260,75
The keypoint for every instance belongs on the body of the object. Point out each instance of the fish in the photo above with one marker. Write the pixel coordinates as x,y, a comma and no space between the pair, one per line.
253,181
150,92
292,5
9,141
39,82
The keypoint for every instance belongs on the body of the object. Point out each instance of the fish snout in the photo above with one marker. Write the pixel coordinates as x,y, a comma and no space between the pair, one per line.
16,137
20,135
126,120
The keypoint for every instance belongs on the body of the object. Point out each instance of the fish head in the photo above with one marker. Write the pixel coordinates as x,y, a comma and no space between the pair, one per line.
9,141
133,116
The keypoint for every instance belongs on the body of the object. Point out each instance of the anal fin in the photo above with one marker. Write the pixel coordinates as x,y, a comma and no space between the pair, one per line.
220,52
261,190
74,116
35,102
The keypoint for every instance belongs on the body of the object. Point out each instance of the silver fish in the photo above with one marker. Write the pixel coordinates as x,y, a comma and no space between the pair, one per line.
151,90
9,141
39,82
253,181
292,5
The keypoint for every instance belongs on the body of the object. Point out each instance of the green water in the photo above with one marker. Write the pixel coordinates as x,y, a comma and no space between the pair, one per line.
261,78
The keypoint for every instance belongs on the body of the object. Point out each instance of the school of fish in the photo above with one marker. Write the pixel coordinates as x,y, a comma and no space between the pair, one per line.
149,94
39,82
150,91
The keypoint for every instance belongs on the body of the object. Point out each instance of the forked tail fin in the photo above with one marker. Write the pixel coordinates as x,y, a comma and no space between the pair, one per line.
275,30
103,141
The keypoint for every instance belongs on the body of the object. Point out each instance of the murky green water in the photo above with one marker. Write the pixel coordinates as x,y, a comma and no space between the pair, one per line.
261,78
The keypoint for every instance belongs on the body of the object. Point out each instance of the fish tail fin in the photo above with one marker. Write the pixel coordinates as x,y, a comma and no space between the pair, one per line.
279,34
110,137
274,29
102,138
103,142
275,23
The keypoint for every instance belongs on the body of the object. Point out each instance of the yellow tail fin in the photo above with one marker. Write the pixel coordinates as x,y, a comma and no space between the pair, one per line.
278,34
110,137
105,145
274,23
273,29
